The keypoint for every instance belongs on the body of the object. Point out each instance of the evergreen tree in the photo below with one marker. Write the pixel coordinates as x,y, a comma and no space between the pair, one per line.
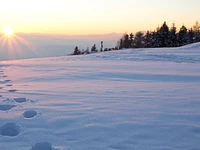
131,39
191,35
154,39
139,40
121,44
182,36
148,40
94,49
163,35
126,41
106,49
158,38
101,46
173,36
76,51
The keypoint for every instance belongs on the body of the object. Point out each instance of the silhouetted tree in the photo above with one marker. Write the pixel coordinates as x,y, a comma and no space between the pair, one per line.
148,40
94,49
126,41
191,35
121,43
76,51
163,35
131,40
106,49
154,39
173,36
138,40
101,46
182,36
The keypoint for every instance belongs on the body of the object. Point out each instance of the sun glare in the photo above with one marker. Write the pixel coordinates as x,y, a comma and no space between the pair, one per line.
8,31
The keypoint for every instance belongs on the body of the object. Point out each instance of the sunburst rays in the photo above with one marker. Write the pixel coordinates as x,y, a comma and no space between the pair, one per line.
16,45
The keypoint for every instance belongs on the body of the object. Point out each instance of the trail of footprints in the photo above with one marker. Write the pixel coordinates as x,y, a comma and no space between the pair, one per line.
12,129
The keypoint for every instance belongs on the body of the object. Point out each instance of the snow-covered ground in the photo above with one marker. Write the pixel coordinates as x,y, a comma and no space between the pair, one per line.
130,99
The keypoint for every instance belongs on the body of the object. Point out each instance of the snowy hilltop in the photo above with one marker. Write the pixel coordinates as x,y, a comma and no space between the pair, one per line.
128,99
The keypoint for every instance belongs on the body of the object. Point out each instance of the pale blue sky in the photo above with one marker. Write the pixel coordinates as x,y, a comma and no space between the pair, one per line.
95,16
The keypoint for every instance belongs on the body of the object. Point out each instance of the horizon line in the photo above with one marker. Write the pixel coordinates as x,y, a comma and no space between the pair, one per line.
58,34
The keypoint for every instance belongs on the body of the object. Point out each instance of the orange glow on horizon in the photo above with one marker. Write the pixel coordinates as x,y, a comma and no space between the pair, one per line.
99,17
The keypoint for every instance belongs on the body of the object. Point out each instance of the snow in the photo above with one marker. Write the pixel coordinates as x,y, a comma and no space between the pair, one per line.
129,99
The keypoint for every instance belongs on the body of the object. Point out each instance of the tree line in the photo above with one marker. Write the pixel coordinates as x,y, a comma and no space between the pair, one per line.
93,49
163,36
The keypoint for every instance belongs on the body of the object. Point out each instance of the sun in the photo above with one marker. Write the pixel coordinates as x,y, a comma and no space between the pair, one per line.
8,31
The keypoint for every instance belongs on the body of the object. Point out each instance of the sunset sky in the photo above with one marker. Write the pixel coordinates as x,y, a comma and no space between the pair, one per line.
95,16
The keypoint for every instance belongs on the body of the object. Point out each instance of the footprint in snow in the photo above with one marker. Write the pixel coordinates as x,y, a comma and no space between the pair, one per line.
13,90
7,81
1,87
4,81
9,85
20,100
29,114
43,146
10,129
4,76
6,107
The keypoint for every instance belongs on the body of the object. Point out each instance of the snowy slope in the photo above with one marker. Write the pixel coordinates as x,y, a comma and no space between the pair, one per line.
129,99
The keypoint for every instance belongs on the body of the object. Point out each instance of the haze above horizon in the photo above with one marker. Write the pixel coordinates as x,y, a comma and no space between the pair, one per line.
95,17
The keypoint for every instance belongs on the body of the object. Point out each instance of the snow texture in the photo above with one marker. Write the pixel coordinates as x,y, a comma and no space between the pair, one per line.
118,100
